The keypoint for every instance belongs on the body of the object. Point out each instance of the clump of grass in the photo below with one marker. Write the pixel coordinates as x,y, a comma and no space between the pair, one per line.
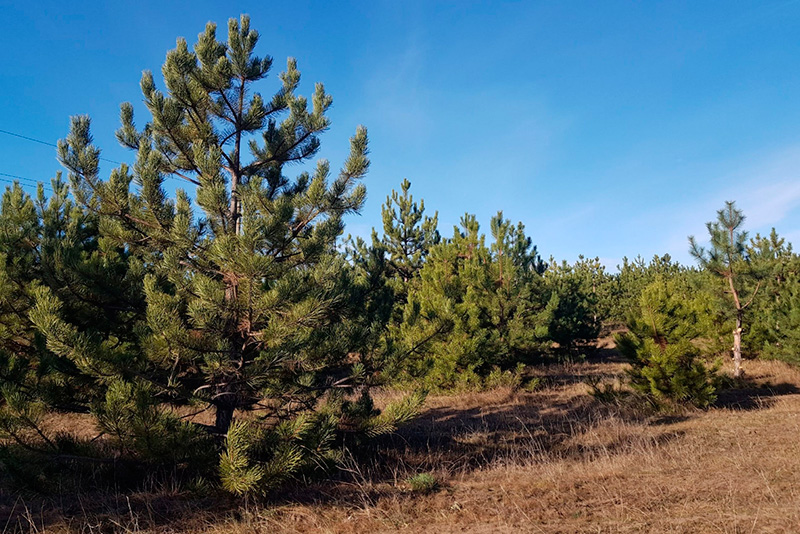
604,392
423,483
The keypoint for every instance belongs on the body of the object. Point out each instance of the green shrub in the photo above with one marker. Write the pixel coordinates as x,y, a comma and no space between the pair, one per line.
533,384
673,374
423,483
510,378
666,366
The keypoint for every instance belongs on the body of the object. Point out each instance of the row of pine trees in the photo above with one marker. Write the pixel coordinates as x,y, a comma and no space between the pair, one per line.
231,335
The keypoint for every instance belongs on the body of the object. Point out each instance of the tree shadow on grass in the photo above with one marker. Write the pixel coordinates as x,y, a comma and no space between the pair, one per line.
461,434
528,430
108,512
749,394
455,435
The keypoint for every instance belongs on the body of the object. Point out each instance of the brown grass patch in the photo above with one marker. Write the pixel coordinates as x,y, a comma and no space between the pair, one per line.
552,461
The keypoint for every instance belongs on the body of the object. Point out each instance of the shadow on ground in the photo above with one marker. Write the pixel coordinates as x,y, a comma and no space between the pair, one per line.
752,395
454,435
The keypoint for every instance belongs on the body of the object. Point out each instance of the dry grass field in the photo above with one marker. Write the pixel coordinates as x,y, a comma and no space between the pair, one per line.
550,461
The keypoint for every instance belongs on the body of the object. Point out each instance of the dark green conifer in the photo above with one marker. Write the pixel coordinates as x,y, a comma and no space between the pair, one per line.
50,248
624,288
660,344
249,306
475,307
774,325
408,234
573,293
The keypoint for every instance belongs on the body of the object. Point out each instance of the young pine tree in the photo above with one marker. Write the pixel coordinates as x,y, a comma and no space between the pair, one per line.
513,300
51,246
727,259
573,293
391,264
408,234
634,275
774,324
475,306
665,362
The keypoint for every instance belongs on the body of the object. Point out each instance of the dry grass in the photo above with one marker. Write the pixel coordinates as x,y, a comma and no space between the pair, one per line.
549,461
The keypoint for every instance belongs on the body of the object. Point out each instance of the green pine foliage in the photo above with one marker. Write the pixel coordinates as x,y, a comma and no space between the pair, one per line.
475,306
408,235
390,267
783,324
259,458
623,289
575,294
51,253
661,344
138,307
139,426
774,322
784,327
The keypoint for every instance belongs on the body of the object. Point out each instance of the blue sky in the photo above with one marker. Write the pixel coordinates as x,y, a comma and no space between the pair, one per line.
608,128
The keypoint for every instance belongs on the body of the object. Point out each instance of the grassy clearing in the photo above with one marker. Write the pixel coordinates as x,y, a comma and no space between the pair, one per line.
552,460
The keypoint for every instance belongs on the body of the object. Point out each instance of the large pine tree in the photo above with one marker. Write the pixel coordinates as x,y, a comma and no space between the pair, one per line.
249,305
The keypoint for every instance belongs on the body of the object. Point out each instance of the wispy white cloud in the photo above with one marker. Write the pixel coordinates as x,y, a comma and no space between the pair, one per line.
769,204
767,190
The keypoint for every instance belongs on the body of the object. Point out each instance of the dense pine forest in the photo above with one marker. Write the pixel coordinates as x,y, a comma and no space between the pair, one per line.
234,341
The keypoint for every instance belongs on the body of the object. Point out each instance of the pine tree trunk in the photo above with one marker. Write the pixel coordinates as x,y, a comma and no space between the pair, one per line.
226,394
737,333
737,345
224,417
227,402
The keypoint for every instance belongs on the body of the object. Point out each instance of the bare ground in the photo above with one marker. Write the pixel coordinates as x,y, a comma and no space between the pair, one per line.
551,461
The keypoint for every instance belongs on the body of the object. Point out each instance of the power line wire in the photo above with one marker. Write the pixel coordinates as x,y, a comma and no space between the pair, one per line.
24,184
28,138
19,177
31,181
34,140
17,181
